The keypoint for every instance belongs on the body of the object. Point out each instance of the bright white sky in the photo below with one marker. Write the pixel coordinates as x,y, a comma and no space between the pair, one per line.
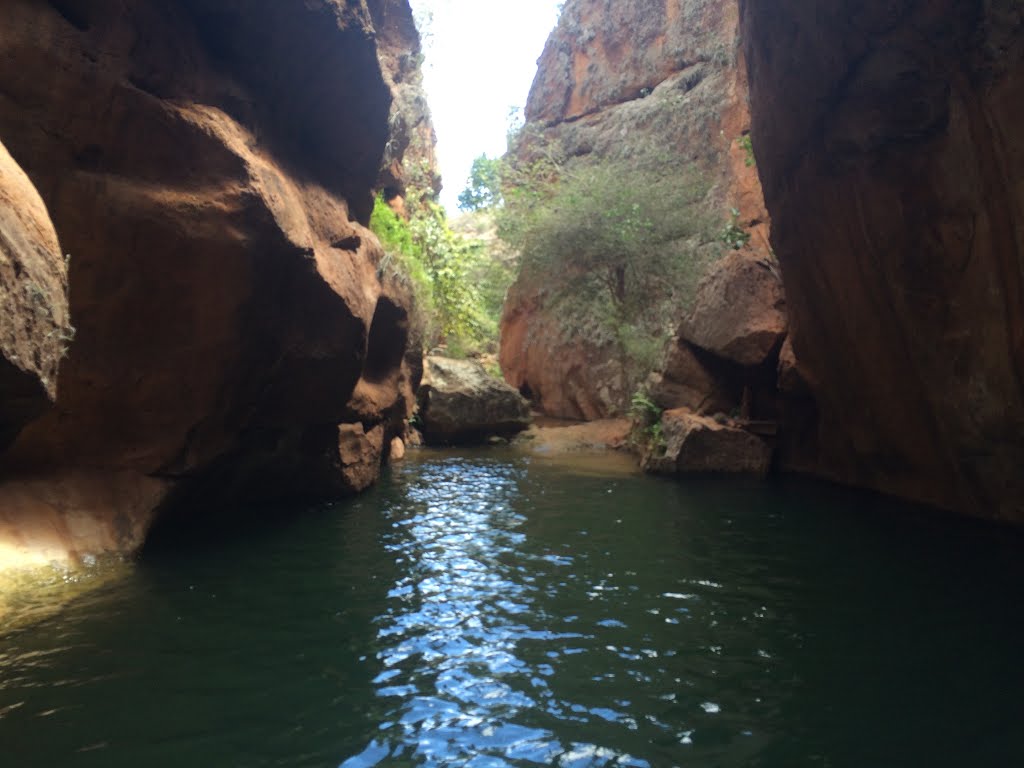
481,56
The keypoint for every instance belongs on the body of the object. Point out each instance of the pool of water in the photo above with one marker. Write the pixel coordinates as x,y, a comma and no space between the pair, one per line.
495,609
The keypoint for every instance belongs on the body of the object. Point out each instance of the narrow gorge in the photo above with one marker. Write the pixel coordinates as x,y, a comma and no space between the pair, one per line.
694,439
861,313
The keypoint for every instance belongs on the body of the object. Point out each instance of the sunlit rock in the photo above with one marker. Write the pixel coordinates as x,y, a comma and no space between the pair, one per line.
740,310
35,329
691,444
210,167
460,402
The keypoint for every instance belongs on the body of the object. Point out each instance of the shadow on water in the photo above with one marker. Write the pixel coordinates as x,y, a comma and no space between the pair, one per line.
494,609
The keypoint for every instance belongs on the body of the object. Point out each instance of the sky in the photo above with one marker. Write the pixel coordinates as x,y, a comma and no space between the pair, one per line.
480,59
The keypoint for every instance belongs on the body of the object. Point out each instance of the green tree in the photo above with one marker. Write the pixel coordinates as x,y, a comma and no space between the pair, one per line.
614,248
624,224
440,266
483,188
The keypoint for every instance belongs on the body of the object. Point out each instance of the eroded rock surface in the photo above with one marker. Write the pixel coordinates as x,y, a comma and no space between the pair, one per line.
35,327
653,81
688,381
693,444
209,166
409,156
460,402
568,366
887,136
740,311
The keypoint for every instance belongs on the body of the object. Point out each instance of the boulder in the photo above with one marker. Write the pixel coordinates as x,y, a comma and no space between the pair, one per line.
397,450
360,454
740,310
35,328
686,382
697,444
460,402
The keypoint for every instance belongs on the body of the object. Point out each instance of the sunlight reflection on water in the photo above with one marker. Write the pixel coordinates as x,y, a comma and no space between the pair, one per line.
453,633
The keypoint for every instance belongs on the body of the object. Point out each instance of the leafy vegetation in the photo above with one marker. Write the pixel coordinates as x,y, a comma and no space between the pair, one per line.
483,189
450,275
733,234
648,432
747,145
620,221
616,247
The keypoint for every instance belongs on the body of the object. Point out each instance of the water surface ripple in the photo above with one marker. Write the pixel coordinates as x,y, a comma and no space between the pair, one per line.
495,610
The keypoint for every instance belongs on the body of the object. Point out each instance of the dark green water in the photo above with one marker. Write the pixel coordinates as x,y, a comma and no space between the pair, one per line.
493,610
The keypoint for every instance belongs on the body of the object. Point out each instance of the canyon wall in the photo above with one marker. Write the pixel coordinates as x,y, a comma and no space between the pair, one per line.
887,138
35,327
209,167
658,83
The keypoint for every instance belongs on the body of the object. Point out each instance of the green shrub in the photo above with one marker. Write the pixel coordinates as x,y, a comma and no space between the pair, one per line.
614,220
733,234
616,248
440,266
403,259
645,414
747,145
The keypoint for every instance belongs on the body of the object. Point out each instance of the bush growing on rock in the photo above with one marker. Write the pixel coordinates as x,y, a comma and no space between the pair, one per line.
622,221
443,268
618,246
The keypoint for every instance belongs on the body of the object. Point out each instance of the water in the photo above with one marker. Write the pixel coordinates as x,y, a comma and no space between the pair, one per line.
497,610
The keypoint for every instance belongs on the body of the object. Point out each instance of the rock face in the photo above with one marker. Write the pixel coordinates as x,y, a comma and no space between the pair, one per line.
35,327
459,402
692,380
570,368
409,156
887,136
209,166
655,80
699,445
740,311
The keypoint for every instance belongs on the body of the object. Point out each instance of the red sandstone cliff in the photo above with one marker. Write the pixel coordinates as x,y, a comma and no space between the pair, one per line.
35,330
208,165
888,140
629,82
409,155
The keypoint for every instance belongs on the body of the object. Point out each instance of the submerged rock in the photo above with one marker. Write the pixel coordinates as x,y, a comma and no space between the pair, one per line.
696,444
460,402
